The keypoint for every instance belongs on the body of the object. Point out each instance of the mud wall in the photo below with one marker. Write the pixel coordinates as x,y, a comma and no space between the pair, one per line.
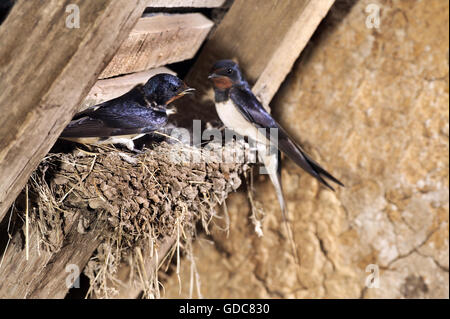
371,105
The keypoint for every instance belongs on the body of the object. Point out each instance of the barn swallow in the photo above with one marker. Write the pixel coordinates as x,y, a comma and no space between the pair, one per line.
240,110
129,116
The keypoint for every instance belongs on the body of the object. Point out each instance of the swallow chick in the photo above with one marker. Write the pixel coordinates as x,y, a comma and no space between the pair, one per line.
128,117
240,110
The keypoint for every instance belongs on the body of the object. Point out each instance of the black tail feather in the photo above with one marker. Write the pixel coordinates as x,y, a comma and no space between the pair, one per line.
286,144
320,171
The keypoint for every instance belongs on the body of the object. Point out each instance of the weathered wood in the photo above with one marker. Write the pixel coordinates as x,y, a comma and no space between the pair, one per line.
44,78
53,281
184,3
107,89
158,40
16,272
43,274
266,37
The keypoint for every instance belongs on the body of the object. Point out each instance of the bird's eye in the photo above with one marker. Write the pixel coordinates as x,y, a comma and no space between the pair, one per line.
229,71
173,89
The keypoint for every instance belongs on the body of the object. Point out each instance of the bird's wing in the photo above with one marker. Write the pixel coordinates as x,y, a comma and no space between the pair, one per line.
253,111
90,127
120,116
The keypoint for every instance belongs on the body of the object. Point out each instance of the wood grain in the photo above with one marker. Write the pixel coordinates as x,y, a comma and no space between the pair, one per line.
265,37
77,248
159,40
185,3
45,76
44,274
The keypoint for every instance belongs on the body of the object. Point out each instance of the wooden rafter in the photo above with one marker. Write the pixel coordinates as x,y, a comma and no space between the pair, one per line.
45,77
158,40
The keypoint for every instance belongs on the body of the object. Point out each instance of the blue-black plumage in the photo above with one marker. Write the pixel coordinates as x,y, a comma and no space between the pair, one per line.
129,116
241,111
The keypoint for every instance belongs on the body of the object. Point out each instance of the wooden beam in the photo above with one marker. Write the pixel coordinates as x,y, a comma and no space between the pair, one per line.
158,40
108,89
16,271
287,51
43,274
184,3
266,37
44,78
75,252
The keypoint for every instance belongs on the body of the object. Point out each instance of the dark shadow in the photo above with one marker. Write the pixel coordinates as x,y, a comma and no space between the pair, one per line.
81,291
5,8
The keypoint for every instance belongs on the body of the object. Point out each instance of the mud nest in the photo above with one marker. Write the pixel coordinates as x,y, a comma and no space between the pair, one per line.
144,207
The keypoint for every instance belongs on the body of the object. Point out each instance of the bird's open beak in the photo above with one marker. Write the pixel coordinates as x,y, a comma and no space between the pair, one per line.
185,91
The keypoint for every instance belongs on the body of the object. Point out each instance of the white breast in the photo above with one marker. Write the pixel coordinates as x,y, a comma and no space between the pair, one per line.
234,120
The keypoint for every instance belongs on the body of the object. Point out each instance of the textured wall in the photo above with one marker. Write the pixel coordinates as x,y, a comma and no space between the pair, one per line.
371,105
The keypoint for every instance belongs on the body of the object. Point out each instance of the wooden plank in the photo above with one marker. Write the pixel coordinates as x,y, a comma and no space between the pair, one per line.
266,37
284,55
76,251
44,274
158,40
44,78
185,3
16,271
107,89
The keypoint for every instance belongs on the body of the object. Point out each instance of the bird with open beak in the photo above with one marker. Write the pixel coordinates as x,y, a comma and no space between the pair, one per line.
130,116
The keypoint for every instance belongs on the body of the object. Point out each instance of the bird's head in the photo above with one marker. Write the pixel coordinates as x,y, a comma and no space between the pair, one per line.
225,74
165,88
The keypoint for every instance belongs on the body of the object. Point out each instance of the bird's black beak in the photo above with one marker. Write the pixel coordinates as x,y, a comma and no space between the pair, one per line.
182,92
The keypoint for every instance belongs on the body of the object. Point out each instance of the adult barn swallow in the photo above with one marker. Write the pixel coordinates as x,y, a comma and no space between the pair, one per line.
240,110
129,116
